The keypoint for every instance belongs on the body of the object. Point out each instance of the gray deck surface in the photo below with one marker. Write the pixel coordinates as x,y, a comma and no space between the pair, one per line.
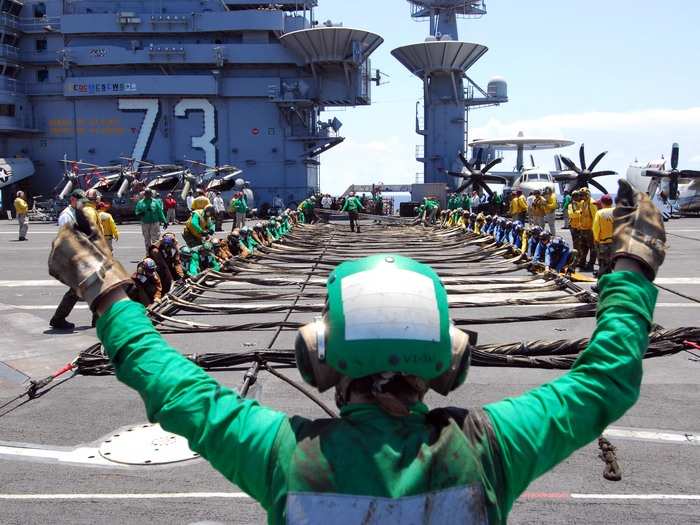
86,409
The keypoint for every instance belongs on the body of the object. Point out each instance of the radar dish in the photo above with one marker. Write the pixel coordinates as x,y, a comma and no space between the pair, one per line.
443,56
332,44
522,143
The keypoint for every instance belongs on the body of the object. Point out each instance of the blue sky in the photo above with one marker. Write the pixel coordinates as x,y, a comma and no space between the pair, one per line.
620,75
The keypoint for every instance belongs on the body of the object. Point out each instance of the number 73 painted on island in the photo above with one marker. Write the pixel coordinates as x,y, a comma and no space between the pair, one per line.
151,106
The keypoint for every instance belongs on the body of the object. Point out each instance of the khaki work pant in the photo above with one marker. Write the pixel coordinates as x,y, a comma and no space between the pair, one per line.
151,233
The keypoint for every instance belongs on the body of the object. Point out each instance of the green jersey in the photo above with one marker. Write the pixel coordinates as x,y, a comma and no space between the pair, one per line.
150,211
352,204
472,465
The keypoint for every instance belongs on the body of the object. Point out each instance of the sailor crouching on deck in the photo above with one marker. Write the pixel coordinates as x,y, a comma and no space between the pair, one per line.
388,456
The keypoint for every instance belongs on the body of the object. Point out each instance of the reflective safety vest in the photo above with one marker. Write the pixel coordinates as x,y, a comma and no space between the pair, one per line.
447,461
197,224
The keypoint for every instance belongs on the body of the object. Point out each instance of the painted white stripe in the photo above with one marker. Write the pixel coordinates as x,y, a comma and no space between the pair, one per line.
678,280
242,495
689,497
168,495
37,307
662,436
26,284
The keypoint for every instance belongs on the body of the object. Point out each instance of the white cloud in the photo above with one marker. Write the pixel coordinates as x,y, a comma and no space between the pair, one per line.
641,135
558,125
355,162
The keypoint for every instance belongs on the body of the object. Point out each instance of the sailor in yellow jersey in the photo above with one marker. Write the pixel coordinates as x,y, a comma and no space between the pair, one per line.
603,235
200,201
21,209
109,227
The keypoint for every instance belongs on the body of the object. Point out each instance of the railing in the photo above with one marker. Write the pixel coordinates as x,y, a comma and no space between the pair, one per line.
10,85
420,151
9,21
40,25
366,81
420,177
422,9
8,51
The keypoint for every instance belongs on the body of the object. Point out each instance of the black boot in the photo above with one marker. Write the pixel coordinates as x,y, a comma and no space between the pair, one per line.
61,324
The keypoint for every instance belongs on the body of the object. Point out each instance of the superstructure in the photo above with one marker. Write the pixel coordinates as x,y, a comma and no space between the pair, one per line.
234,82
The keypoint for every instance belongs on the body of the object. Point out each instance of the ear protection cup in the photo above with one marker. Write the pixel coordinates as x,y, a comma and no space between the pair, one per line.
309,348
455,376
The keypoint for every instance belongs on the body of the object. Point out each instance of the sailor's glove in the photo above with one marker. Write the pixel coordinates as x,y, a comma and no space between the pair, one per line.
81,259
639,230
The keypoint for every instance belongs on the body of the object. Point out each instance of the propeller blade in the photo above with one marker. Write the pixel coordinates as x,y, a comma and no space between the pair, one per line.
479,155
604,173
569,164
565,177
464,186
598,185
582,156
532,160
653,186
654,173
690,174
464,160
490,165
485,187
673,187
675,153
457,174
597,160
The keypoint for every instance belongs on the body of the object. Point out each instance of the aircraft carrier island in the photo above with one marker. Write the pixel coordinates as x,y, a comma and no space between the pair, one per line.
221,82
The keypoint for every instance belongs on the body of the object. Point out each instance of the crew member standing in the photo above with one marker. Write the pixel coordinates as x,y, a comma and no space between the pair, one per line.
220,209
238,210
550,210
588,210
170,205
518,207
565,209
151,213
65,307
21,209
603,235
109,227
353,206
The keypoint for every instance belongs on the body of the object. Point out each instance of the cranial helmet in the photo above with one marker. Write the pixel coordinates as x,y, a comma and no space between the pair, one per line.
185,252
168,239
536,231
210,211
149,265
385,313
